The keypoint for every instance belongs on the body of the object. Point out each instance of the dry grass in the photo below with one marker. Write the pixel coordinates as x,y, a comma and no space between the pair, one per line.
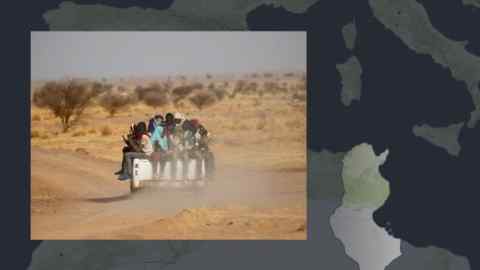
106,131
269,130
79,133
35,134
36,117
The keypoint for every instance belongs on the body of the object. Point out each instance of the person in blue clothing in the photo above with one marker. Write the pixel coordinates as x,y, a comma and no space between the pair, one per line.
160,144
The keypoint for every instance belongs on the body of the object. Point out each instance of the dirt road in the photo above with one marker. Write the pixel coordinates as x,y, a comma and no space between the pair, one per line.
76,196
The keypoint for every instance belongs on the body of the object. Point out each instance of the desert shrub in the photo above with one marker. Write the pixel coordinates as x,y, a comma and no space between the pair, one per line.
202,99
79,133
299,96
267,75
252,88
101,87
270,87
196,85
113,101
92,131
44,136
260,93
82,150
167,85
244,87
66,99
154,95
289,75
262,120
106,131
261,124
219,93
293,124
301,85
209,76
181,92
35,134
36,117
254,75
239,87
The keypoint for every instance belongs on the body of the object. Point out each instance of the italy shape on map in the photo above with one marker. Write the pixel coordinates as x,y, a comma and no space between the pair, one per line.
365,191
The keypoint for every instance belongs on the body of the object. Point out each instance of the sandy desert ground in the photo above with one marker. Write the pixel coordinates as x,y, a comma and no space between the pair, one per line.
259,191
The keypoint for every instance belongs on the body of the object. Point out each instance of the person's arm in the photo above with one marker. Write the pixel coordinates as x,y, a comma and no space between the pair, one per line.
145,143
134,145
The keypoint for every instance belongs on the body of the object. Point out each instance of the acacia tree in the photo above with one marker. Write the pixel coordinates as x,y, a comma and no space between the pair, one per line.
66,99
154,95
239,88
113,101
202,99
181,92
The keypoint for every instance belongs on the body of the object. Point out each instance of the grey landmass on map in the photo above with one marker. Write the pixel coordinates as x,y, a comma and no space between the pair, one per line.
427,258
240,255
115,255
444,137
325,189
475,3
350,72
182,15
410,22
352,223
324,175
231,255
349,32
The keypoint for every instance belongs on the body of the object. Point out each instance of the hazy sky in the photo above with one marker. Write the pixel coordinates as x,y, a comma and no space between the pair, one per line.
103,54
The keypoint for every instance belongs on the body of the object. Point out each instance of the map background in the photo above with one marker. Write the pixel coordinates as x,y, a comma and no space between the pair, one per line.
36,14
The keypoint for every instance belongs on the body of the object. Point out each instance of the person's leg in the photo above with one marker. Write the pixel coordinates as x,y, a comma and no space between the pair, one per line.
198,163
173,160
124,150
162,164
155,158
125,167
184,159
209,164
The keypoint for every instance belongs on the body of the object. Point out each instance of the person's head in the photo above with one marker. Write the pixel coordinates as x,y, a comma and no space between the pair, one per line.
191,125
179,118
186,124
202,130
195,123
158,119
151,125
140,129
169,118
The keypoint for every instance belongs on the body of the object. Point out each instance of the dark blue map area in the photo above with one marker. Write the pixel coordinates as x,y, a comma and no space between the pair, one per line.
433,195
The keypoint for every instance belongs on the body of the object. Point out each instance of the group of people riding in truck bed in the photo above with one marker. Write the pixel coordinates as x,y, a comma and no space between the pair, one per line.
168,138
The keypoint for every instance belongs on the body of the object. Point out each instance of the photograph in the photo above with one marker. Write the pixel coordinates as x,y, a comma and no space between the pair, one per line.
164,135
